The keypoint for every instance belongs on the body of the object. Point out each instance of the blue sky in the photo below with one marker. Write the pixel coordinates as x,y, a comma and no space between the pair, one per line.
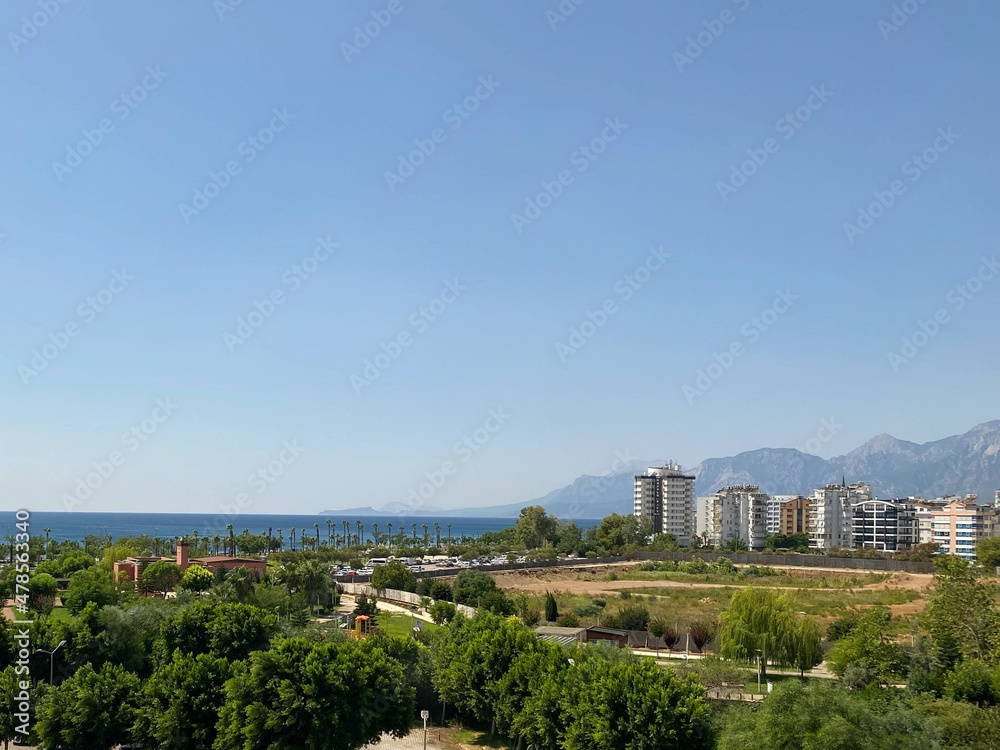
542,87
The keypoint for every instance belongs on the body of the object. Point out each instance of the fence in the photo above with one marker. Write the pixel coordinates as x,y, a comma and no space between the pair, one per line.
805,561
739,558
396,596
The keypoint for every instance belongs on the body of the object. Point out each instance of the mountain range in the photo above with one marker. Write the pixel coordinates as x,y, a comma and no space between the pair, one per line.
956,465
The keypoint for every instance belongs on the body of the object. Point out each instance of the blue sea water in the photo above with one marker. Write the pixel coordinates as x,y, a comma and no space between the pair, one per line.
168,525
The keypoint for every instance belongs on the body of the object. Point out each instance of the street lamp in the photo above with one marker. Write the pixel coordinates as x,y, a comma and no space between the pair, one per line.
425,715
52,659
760,662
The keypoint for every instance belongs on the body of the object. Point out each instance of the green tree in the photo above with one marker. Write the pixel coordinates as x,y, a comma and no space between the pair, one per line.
819,715
162,575
197,578
442,612
988,552
665,543
230,630
93,584
440,591
961,614
616,532
974,682
42,589
329,696
633,705
10,688
870,646
551,609
534,526
472,656
395,575
92,710
471,585
181,702
760,625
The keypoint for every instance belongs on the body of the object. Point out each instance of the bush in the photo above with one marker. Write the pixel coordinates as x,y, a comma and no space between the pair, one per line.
568,620
696,567
442,612
395,576
973,682
531,617
629,617
440,591
625,595
587,610
841,627
600,603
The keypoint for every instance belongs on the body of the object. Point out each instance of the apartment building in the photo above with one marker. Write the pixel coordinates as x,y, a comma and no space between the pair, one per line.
737,512
830,518
884,525
665,495
794,514
772,514
958,525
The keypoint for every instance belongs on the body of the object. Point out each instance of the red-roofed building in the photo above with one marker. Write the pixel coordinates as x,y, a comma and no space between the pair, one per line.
130,569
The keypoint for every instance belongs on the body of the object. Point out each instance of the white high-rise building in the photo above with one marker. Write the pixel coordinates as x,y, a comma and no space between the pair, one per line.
738,512
773,516
665,495
831,520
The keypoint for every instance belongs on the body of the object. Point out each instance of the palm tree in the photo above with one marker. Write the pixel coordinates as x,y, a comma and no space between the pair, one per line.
425,533
414,531
390,536
329,531
361,533
375,534
303,538
437,533
291,535
449,533
232,540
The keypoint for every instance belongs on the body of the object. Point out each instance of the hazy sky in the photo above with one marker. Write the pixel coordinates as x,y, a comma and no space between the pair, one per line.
639,123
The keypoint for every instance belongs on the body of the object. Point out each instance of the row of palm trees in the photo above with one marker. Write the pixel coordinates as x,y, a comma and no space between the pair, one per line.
351,537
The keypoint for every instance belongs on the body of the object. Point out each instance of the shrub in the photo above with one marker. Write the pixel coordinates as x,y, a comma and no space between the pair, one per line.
600,603
629,617
701,633
531,617
656,627
841,627
625,595
587,610
568,620
442,612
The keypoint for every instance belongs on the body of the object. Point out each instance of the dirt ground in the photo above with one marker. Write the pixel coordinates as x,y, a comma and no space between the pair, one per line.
589,581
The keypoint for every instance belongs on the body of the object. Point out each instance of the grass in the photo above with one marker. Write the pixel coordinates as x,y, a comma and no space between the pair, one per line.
398,624
687,605
474,738
782,579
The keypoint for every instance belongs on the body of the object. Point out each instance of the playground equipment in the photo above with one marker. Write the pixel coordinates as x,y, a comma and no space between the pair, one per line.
363,627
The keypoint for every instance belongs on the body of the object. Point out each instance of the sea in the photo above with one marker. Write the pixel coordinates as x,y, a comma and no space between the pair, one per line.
76,526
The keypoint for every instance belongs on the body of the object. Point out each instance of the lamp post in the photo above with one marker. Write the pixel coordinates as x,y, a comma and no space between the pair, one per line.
425,715
52,659
760,661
